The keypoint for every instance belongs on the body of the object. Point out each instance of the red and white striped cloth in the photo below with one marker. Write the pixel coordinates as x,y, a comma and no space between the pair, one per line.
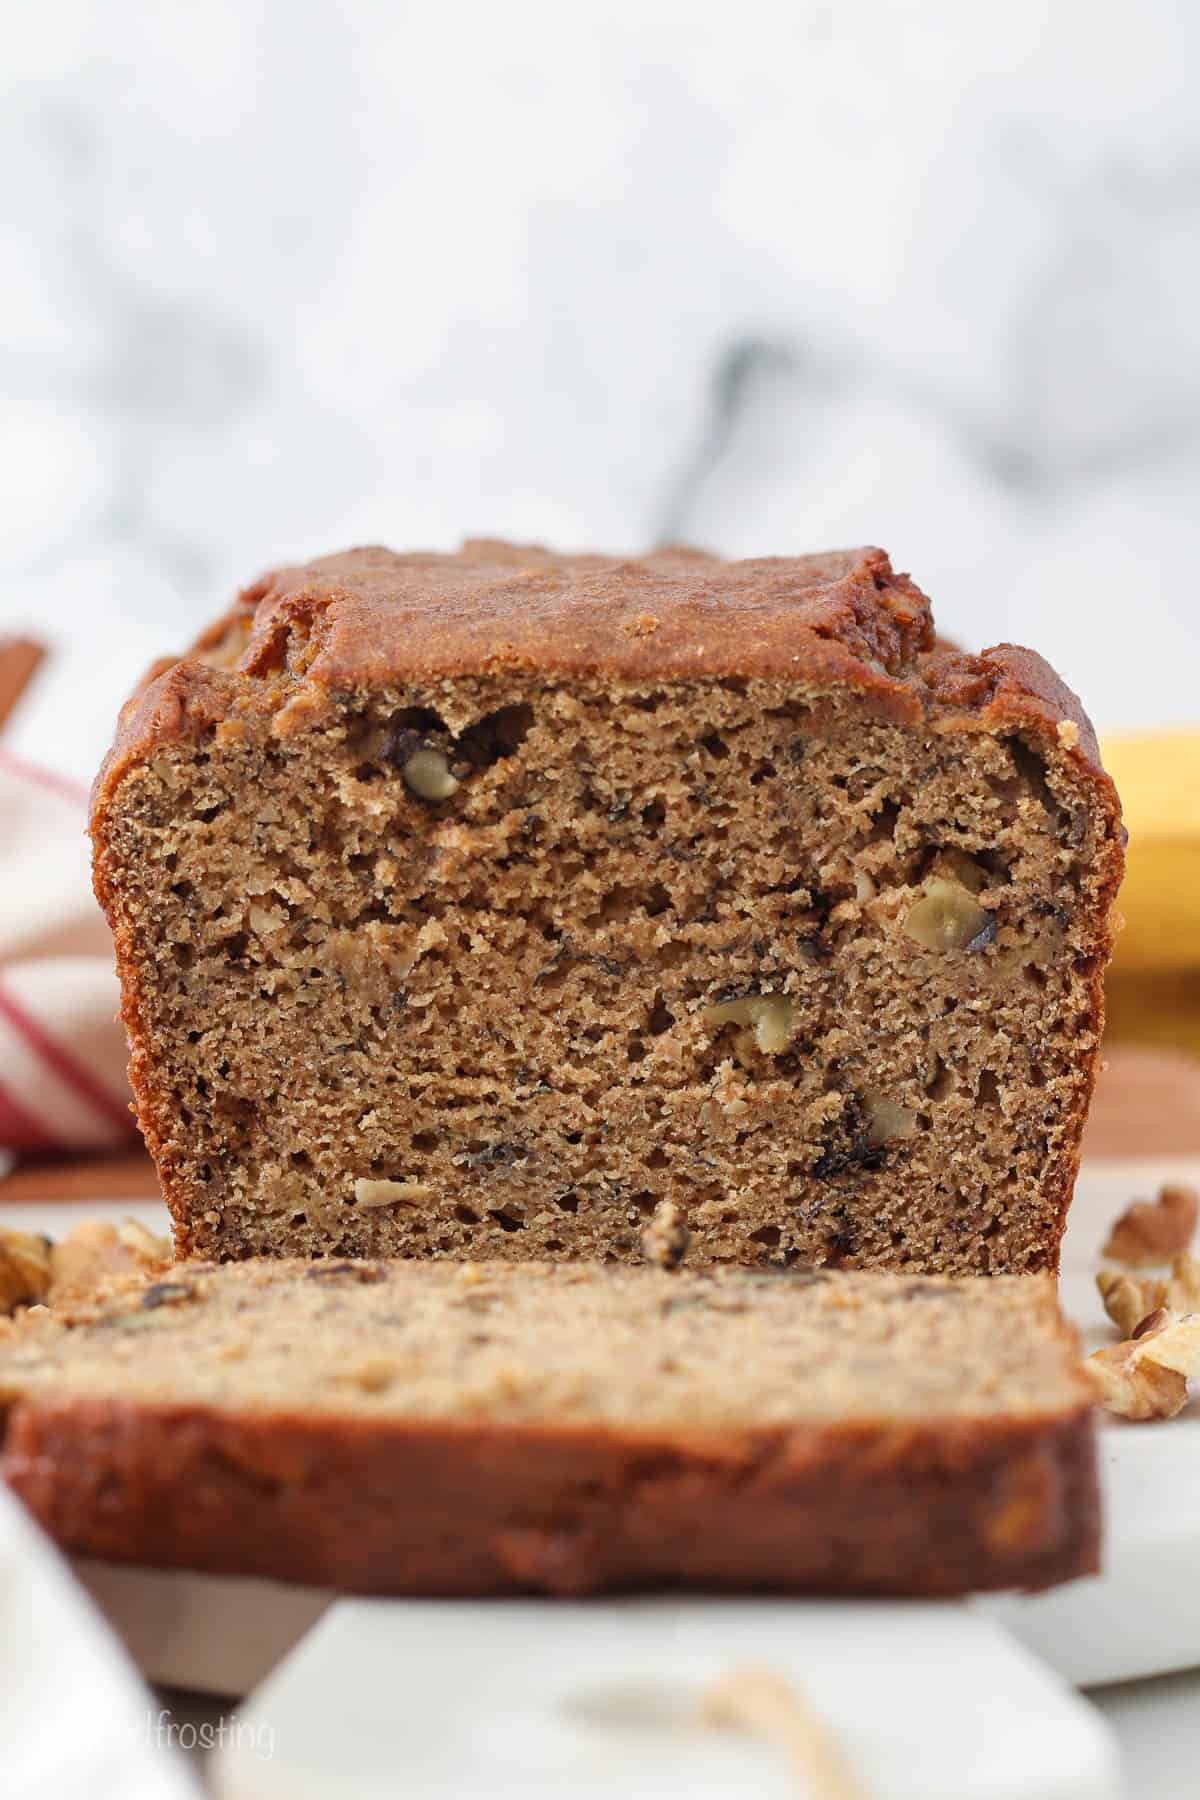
62,1053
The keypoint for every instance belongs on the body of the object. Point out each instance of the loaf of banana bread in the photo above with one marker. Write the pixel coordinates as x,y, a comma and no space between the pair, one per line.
439,1428
474,905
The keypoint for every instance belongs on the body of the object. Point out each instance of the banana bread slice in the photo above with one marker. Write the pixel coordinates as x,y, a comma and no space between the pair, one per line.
472,905
439,1428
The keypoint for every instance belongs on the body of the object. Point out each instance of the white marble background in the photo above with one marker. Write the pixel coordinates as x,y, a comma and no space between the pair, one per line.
283,275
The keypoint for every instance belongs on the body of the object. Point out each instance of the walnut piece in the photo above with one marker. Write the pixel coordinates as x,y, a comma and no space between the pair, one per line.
1146,1377
770,1017
886,1120
1153,1231
390,1193
948,917
97,1249
24,1269
1183,1287
427,773
1128,1299
666,1238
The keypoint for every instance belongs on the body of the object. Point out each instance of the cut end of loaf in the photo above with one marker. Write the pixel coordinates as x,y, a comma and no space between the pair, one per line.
490,963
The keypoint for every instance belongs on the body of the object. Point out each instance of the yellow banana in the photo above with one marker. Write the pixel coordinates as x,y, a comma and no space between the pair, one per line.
1158,778
1154,984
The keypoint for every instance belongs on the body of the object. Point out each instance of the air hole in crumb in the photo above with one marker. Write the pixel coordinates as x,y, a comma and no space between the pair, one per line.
654,814
465,1216
568,1203
506,1221
764,772
418,718
657,1159
715,744
301,1159
497,735
1032,770
635,1050
942,1082
766,1234
661,1019
987,1090
645,1202
883,824
1034,975
425,1140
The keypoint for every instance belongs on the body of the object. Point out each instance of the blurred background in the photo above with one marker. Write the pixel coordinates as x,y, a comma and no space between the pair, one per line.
282,276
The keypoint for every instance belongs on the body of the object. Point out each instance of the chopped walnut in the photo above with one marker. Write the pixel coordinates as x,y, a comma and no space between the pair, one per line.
948,917
1183,1287
390,1193
886,1120
1146,1376
1153,1231
666,1238
427,774
771,1018
1128,1299
24,1269
96,1249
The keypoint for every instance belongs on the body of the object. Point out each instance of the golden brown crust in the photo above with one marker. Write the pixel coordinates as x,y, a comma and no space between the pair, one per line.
370,618
476,1509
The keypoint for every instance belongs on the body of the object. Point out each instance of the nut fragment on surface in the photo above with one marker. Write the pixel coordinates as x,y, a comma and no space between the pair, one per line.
96,1249
760,1702
886,1121
1146,1377
1128,1299
770,1017
24,1269
1183,1285
666,1238
390,1193
426,772
948,917
1153,1231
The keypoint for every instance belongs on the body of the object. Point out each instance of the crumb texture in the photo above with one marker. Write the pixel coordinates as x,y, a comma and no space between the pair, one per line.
639,1348
495,961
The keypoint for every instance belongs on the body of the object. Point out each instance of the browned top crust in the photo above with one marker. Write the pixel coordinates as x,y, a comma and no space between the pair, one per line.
369,618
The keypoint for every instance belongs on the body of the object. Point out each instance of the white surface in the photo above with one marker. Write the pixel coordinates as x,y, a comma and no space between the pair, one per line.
280,278
76,1723
1141,1615
513,1698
